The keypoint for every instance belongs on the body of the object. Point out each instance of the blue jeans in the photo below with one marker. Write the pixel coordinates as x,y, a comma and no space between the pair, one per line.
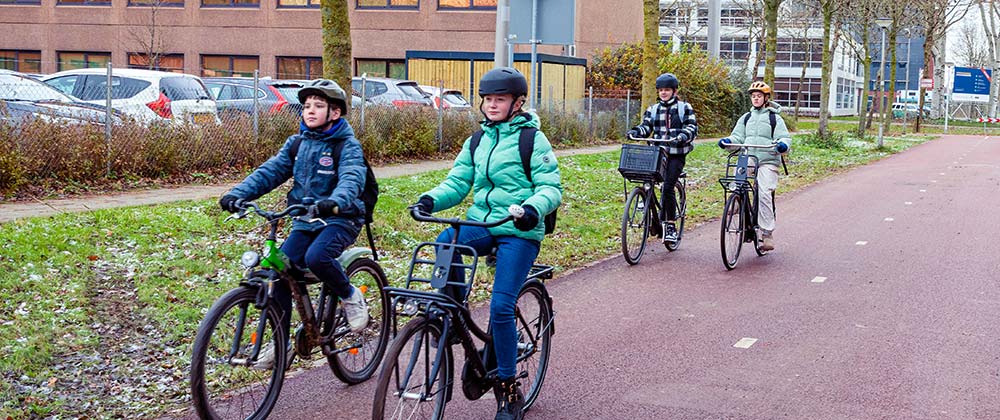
318,251
515,256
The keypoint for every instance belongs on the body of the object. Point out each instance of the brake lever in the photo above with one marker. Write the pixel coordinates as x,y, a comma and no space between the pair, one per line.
311,216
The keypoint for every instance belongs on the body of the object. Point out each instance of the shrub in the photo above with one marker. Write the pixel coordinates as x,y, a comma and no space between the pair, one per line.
832,140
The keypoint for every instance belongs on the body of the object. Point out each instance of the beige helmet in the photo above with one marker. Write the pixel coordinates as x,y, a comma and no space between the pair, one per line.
327,89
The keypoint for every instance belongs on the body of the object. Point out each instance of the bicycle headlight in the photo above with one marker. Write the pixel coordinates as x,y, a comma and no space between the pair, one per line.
250,259
409,308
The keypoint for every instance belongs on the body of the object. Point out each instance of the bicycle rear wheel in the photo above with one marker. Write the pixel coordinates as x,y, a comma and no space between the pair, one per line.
534,334
681,195
357,355
226,382
406,388
733,224
635,224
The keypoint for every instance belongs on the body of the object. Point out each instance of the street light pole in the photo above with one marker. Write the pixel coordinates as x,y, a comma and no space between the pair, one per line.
881,86
906,107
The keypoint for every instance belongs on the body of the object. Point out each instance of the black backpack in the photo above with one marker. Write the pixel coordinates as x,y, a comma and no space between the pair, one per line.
525,146
369,194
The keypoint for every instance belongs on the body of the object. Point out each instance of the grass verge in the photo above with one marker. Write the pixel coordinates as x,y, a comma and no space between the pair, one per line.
98,309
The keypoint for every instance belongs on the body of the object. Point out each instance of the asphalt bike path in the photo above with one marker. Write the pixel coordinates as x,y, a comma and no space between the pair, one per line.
880,301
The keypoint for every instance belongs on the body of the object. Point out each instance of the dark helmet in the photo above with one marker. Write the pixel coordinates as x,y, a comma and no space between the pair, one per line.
667,80
327,89
503,80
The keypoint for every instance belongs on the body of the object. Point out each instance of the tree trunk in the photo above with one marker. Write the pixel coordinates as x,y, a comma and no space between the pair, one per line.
863,102
771,38
336,42
827,70
938,58
651,37
802,78
887,113
992,38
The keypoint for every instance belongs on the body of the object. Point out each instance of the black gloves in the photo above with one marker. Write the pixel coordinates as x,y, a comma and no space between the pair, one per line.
424,205
230,203
633,133
326,208
528,221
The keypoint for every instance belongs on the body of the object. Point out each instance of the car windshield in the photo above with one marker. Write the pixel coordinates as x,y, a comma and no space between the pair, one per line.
455,99
411,90
290,92
183,88
16,88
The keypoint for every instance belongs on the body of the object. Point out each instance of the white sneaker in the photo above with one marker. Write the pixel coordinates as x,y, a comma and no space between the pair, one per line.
265,359
356,310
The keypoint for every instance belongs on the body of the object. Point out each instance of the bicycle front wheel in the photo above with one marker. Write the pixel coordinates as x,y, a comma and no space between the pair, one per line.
357,355
227,380
681,198
407,388
732,230
534,335
635,225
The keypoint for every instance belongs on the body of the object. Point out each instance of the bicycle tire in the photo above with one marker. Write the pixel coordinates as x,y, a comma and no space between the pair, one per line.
731,238
416,358
358,364
210,355
534,320
681,198
635,226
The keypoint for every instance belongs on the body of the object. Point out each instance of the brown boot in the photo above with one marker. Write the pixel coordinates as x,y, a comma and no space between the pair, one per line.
767,242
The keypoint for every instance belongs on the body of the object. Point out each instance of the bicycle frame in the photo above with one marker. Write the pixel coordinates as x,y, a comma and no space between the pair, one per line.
436,305
741,178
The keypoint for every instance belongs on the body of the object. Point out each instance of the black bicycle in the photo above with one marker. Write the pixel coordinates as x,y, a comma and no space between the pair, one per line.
739,216
236,371
645,166
416,378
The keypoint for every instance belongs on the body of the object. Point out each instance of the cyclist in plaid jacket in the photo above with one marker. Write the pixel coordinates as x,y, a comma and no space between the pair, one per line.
672,119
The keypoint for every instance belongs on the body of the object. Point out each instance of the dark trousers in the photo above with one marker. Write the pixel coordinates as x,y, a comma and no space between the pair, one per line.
675,165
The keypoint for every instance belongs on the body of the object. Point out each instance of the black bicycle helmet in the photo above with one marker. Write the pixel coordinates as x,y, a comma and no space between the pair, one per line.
667,80
503,80
327,89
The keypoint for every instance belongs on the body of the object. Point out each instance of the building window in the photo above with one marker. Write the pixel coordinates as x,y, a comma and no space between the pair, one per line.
786,92
230,3
467,4
307,4
394,4
84,2
395,69
22,61
164,62
156,3
83,60
228,65
300,67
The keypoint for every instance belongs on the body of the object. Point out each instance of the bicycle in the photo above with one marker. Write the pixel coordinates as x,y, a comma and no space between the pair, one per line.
416,378
739,216
644,165
229,376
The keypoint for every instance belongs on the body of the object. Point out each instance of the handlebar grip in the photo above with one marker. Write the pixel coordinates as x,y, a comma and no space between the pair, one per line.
516,211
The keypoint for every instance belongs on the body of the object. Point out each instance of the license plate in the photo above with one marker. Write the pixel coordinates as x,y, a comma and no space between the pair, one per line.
203,118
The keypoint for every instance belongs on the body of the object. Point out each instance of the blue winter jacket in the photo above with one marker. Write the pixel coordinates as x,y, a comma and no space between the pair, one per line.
316,175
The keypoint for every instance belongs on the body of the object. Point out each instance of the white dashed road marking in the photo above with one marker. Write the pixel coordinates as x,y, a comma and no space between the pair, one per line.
861,243
908,203
942,173
889,219
923,190
818,279
745,343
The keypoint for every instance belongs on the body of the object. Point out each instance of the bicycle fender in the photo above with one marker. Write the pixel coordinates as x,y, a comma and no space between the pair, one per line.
354,253
548,297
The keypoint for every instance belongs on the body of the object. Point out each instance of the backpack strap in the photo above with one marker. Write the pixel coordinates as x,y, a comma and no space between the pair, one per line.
294,149
774,122
746,119
473,144
526,146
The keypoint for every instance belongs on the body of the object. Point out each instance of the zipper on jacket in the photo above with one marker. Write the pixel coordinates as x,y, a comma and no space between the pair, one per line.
489,208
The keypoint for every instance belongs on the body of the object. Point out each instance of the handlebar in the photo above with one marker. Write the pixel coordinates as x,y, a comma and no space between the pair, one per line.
650,139
749,146
515,211
303,212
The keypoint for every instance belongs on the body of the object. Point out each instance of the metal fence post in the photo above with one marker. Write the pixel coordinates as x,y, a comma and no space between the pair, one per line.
440,107
550,98
107,121
364,99
256,105
628,107
590,109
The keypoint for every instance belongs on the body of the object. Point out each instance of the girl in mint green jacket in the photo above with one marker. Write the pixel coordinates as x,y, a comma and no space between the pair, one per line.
495,174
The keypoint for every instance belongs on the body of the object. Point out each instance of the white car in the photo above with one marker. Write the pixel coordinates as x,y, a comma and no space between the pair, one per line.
146,95
453,98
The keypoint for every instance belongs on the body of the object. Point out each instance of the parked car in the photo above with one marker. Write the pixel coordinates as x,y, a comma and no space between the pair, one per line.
145,95
23,98
911,110
447,98
235,95
385,91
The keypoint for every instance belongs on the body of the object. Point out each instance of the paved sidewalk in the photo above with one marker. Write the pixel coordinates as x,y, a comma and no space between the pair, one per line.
20,210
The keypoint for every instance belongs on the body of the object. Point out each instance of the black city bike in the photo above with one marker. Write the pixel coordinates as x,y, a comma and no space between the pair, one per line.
241,352
416,380
739,216
644,165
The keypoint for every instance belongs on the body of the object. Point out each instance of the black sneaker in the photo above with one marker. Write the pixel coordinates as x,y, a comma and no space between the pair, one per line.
510,400
669,232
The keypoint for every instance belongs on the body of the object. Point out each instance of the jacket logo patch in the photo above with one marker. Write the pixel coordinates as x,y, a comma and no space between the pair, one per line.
326,161
322,172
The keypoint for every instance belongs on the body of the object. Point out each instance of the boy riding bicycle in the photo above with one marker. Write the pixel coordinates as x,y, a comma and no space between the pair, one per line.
669,119
495,175
763,125
333,183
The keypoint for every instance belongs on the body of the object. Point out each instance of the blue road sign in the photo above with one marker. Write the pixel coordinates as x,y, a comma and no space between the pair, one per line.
972,84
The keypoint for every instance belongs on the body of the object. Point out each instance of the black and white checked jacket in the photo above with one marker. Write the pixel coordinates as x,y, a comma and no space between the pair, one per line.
682,126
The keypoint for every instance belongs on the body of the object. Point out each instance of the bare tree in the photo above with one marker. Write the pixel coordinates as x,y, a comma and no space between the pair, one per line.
770,38
969,49
796,24
863,31
990,15
936,17
651,38
146,35
754,15
336,42
829,10
899,18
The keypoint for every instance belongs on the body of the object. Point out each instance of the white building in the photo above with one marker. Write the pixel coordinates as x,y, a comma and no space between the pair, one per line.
800,43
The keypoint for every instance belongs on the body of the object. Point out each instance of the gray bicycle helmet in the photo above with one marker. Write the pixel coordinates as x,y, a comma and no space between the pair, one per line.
327,89
667,80
503,80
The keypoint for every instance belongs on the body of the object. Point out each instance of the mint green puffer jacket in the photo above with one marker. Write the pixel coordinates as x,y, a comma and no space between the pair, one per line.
498,178
758,131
